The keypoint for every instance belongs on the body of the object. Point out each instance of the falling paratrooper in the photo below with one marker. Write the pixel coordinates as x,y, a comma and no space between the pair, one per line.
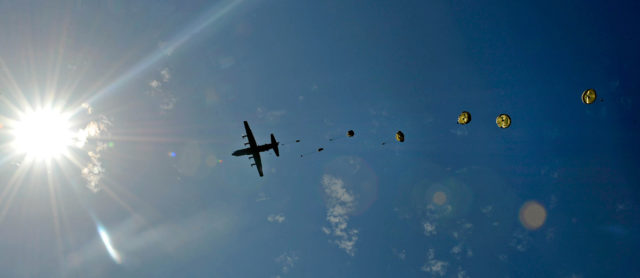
503,121
464,118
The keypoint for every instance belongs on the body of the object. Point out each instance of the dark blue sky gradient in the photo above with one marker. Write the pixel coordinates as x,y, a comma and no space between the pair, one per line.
311,70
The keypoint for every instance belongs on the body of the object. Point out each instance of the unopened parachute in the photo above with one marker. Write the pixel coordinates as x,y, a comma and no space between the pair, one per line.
400,136
350,133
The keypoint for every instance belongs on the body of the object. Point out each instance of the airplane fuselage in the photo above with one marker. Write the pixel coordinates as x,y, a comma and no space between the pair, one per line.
254,149
250,151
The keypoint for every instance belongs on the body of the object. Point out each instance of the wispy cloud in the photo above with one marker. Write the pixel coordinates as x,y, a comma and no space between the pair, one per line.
432,215
166,75
276,218
402,255
462,273
340,202
521,240
433,265
429,228
93,171
166,99
287,261
262,197
458,232
270,115
460,131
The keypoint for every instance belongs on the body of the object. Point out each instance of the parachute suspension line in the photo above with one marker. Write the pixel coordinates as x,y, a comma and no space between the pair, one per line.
289,142
310,153
350,134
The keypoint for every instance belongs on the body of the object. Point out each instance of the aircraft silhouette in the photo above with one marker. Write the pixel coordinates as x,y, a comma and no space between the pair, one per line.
254,150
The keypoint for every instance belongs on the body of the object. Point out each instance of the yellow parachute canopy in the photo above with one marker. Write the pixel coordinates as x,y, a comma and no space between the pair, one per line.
503,120
589,96
350,133
464,118
400,136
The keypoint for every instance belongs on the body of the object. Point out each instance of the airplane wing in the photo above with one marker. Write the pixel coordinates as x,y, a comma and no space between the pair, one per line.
252,140
253,146
258,162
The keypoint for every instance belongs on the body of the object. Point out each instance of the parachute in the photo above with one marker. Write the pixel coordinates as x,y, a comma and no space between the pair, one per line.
503,121
589,96
350,134
400,136
464,118
309,153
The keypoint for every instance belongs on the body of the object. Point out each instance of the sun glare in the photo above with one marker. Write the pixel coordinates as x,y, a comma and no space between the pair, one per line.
42,134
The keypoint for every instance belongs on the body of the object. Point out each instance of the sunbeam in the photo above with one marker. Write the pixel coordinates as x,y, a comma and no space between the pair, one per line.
213,15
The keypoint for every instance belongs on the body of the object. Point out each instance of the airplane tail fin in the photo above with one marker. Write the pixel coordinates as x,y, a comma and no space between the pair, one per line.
274,145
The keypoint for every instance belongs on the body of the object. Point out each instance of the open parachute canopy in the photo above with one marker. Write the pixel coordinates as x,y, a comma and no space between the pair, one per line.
350,133
589,96
400,136
503,121
464,118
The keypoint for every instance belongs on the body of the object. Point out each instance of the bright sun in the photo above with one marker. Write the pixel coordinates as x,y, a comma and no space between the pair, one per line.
42,134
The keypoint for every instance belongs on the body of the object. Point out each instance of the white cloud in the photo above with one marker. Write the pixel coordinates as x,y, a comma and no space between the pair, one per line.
402,255
276,218
262,197
521,240
462,273
460,131
456,249
429,229
287,260
488,210
326,230
155,84
93,172
166,99
434,266
226,62
340,202
166,75
622,206
270,115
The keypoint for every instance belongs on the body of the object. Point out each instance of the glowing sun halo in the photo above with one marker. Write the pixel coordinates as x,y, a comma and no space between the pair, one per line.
42,134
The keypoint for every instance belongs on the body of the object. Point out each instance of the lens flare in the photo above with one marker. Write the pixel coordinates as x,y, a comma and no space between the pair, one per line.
115,256
532,215
440,198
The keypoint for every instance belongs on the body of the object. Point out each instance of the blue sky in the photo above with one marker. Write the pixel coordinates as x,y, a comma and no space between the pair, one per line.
144,79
